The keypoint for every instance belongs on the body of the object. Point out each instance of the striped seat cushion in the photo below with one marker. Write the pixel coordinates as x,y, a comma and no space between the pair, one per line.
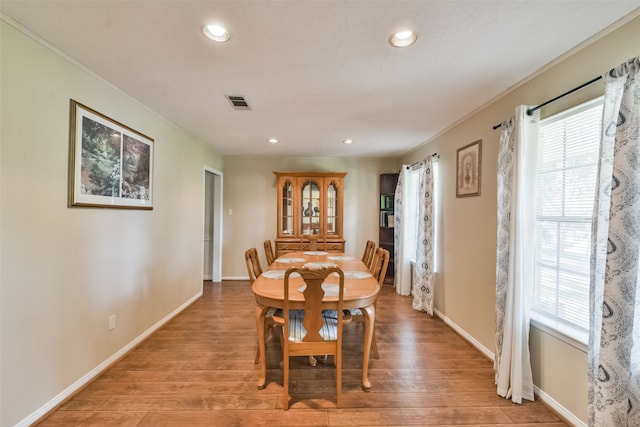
273,312
329,331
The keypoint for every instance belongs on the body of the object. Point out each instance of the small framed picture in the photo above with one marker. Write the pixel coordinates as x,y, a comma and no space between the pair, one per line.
110,164
468,169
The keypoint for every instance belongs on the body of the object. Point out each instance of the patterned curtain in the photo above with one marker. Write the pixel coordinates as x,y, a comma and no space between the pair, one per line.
423,274
614,339
402,263
517,155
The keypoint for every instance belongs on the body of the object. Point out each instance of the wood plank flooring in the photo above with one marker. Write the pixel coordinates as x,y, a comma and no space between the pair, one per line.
198,370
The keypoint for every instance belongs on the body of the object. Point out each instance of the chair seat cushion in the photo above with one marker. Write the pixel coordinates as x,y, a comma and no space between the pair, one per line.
356,312
346,315
274,315
329,331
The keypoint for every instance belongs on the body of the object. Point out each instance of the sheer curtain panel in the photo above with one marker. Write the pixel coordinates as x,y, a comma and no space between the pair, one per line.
515,244
422,290
402,256
614,340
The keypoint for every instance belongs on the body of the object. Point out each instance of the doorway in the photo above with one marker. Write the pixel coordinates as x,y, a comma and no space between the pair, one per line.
212,253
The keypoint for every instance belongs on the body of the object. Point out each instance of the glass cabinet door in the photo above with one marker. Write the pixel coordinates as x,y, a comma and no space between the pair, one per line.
332,209
286,220
310,207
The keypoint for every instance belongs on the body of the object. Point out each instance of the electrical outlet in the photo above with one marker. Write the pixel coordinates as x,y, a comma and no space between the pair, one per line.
112,322
230,212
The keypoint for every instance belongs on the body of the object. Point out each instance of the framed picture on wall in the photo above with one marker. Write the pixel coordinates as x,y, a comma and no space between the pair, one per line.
468,169
110,164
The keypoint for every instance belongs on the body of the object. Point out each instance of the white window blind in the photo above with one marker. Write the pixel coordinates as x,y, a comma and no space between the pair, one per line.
566,180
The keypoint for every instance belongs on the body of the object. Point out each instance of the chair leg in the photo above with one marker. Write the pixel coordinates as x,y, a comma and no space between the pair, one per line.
338,363
285,394
374,346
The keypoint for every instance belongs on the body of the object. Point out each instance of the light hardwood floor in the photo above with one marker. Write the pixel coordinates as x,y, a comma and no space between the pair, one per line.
198,370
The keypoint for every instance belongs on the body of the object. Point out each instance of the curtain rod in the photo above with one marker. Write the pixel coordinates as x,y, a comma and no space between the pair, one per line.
530,111
433,155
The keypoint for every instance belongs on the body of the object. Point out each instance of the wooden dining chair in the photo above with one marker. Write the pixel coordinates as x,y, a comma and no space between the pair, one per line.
322,243
369,251
272,316
378,271
253,264
268,251
313,242
317,242
380,264
309,331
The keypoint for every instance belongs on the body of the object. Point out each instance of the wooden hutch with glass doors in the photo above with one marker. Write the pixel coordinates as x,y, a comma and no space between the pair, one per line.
310,208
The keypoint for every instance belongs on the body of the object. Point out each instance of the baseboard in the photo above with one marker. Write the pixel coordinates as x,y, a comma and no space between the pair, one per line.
559,410
236,278
477,344
98,370
553,405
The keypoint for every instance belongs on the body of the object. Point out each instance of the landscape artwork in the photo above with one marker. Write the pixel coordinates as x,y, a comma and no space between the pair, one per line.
111,165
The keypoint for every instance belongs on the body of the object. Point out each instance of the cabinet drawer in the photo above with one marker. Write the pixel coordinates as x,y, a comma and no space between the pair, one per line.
288,246
334,247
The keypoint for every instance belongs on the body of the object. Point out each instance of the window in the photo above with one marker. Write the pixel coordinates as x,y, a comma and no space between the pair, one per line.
566,182
413,188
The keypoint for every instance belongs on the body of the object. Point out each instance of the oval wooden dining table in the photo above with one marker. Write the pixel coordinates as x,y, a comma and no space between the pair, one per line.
360,291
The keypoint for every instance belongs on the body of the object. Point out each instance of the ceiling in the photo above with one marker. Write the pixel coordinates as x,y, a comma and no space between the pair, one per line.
315,72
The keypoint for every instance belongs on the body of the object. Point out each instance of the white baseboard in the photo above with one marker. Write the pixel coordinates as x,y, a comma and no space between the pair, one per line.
236,278
98,370
548,400
465,335
558,408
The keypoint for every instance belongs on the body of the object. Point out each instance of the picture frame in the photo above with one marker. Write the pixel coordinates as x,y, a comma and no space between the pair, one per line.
469,169
110,164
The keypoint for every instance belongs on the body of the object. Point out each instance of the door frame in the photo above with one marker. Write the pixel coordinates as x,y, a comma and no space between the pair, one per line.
216,207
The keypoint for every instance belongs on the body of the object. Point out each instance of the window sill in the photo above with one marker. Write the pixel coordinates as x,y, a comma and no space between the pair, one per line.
575,337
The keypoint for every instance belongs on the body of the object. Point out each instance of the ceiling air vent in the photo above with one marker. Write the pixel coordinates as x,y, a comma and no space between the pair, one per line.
238,102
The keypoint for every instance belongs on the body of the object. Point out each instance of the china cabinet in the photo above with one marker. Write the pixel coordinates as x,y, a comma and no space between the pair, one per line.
309,211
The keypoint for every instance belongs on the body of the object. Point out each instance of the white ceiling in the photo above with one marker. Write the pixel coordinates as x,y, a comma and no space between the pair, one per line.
315,72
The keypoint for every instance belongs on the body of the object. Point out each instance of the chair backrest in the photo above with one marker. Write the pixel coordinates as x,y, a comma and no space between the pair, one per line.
322,243
314,293
369,250
380,264
253,264
311,331
313,242
268,251
317,242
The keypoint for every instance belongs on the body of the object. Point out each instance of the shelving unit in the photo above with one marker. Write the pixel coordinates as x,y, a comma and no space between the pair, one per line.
388,182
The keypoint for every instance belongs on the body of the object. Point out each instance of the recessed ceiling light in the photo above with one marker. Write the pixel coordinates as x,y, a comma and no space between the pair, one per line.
403,38
216,32
273,140
348,141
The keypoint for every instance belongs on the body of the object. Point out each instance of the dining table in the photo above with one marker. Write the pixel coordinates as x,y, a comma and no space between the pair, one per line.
360,291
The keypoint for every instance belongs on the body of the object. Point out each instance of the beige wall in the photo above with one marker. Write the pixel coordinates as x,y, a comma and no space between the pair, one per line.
250,191
65,270
465,292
